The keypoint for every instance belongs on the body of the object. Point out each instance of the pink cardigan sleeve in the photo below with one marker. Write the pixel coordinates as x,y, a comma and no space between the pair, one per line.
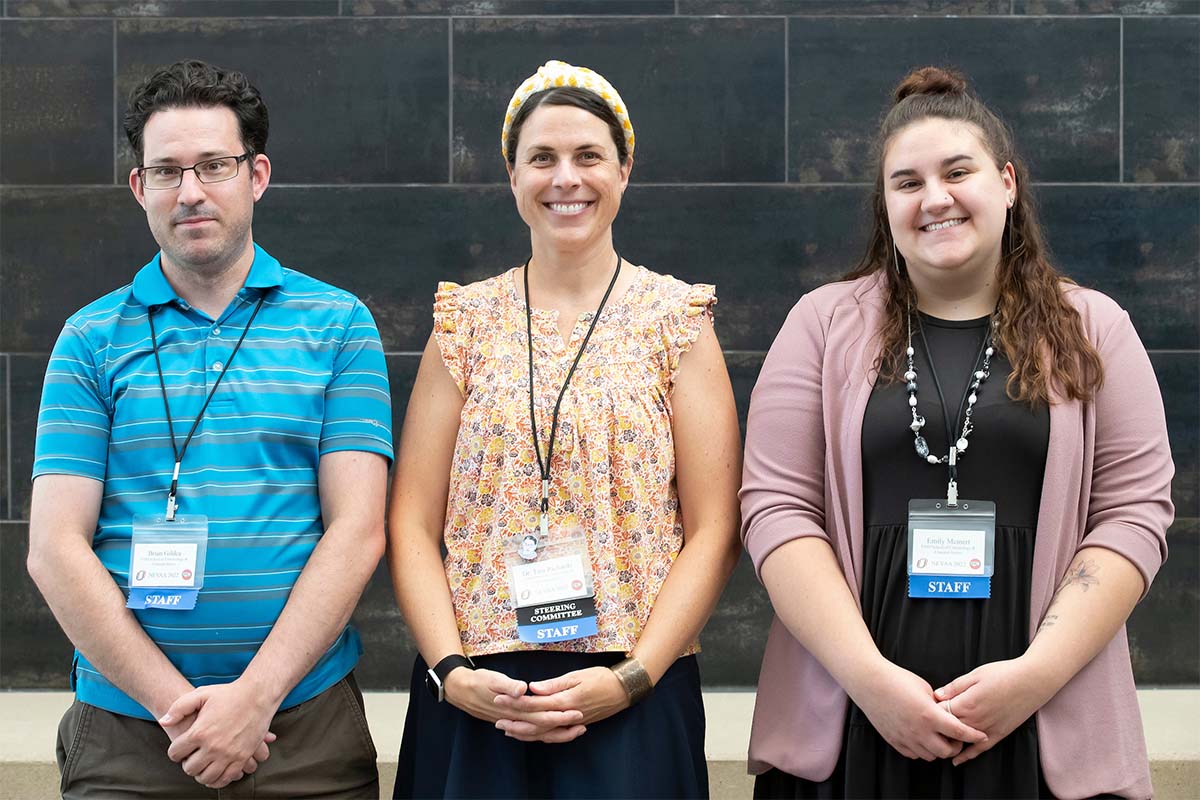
1129,507
783,476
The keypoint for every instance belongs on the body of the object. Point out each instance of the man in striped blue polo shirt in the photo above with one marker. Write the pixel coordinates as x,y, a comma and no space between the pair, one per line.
226,417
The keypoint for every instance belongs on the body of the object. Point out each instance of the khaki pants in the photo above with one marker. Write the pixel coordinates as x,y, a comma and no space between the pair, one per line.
324,749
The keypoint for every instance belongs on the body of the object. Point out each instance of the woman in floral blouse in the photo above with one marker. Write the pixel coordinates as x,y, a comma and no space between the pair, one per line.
558,633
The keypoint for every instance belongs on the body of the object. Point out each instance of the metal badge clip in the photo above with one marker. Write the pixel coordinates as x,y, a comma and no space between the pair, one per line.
171,503
952,486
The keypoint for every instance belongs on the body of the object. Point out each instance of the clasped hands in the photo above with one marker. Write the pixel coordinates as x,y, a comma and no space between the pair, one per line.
555,710
219,733
962,719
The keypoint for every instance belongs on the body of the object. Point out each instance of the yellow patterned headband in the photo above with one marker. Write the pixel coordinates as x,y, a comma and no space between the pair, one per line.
553,74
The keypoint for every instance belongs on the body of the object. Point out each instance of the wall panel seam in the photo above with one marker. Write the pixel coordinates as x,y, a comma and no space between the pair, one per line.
8,468
787,98
116,110
1121,103
581,17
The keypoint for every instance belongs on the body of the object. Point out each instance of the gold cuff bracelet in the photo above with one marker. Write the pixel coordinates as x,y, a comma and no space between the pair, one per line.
634,679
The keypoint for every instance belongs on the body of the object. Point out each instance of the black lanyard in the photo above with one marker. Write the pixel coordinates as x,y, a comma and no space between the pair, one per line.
951,438
544,467
180,451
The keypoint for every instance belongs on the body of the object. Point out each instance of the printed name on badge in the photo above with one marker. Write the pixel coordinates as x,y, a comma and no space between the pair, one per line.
948,552
163,565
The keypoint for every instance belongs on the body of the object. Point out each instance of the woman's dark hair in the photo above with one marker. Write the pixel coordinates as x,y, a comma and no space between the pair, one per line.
586,99
195,84
1036,327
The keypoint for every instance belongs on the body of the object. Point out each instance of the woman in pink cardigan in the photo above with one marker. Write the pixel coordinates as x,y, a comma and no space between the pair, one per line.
956,488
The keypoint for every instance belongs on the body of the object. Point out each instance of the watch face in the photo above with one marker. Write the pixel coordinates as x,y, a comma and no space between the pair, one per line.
434,686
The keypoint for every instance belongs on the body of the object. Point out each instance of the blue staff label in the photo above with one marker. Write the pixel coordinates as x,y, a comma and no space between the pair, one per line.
950,586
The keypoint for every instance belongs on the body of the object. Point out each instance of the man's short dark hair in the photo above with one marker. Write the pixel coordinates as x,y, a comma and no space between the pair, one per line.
195,84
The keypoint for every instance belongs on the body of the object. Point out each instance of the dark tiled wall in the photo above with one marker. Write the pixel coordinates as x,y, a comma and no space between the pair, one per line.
753,121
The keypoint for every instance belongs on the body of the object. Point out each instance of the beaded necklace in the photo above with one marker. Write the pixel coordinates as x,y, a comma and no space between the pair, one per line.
978,377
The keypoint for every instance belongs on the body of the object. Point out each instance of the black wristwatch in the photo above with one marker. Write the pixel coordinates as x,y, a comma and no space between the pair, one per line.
435,678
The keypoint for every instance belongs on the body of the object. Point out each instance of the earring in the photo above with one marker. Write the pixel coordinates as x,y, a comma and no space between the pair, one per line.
1008,227
1008,224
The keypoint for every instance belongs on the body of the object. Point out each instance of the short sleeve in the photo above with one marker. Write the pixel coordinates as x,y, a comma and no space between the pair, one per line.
448,330
686,324
74,421
358,402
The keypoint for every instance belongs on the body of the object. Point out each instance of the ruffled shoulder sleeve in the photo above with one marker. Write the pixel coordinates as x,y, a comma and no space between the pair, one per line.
449,331
692,309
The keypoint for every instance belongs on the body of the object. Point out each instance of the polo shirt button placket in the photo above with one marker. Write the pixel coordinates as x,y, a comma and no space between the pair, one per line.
206,365
216,357
217,363
214,360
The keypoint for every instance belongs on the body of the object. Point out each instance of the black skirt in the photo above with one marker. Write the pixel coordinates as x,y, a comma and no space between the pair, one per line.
652,750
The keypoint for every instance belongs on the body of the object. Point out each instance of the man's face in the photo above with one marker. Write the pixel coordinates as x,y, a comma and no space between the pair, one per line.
201,227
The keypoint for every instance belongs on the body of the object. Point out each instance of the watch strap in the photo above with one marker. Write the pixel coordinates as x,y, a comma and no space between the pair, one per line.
451,663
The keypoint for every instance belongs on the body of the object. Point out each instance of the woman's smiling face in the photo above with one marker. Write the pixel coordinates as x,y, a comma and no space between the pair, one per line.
566,178
946,200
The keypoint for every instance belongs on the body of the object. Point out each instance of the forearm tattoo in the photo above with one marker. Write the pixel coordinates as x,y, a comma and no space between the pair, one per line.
1083,574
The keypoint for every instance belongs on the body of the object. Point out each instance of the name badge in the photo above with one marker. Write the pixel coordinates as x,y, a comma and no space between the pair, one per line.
552,593
951,549
166,562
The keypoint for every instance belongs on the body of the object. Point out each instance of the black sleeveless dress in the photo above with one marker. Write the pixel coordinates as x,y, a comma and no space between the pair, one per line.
941,639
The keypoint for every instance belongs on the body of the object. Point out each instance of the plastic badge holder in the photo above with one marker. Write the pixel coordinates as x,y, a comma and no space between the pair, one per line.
971,517
552,593
167,561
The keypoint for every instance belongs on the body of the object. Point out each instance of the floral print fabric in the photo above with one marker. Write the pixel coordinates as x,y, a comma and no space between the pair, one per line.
613,471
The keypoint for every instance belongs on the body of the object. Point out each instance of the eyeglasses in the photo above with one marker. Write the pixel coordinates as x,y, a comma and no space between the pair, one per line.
214,170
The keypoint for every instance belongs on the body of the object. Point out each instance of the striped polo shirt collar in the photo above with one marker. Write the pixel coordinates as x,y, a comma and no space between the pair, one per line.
151,287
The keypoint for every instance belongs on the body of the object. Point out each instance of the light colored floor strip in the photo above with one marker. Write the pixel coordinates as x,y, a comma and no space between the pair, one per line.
31,721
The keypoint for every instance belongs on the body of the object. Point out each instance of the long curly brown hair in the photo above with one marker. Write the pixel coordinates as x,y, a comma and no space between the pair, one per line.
1039,332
